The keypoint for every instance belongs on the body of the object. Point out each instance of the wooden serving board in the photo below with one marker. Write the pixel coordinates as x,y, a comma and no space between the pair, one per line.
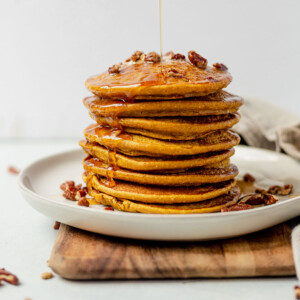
78,254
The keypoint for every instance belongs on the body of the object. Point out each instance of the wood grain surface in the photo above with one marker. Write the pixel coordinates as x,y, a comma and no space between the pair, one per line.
78,254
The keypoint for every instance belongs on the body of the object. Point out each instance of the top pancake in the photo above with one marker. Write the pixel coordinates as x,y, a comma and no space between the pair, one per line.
147,80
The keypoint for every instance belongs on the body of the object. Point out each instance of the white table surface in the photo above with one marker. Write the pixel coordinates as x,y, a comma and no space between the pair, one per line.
27,237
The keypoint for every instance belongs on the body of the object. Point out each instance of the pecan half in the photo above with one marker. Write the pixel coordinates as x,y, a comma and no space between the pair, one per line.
169,54
263,198
13,170
248,178
261,191
70,195
67,185
285,190
197,60
152,57
81,193
237,207
109,208
115,69
8,277
270,199
280,190
174,73
83,202
137,55
56,225
220,67
47,275
274,189
297,292
177,56
73,192
255,199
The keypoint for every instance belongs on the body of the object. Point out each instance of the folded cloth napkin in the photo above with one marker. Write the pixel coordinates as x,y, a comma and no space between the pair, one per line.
267,126
264,125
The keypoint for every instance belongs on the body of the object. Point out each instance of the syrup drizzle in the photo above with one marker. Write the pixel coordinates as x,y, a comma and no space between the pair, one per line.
160,34
112,137
112,130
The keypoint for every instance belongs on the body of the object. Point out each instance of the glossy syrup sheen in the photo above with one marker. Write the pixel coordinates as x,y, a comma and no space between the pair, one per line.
114,136
151,74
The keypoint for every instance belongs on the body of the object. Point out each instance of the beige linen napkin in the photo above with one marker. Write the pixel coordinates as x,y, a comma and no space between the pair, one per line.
265,125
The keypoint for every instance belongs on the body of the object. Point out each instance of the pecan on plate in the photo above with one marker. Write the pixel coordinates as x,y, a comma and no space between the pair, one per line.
280,190
152,57
261,191
273,189
197,60
285,190
270,199
237,207
70,195
83,202
81,193
261,198
73,192
67,185
220,67
248,178
109,208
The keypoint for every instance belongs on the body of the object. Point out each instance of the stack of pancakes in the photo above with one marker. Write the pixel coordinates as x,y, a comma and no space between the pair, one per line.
162,141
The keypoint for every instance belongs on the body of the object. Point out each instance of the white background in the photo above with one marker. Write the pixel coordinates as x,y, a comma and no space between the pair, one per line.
48,49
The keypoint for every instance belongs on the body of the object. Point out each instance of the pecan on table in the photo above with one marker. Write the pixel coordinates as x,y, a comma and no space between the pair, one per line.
13,170
248,178
8,277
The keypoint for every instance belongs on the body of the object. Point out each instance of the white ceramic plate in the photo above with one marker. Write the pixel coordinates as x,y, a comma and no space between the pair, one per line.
39,184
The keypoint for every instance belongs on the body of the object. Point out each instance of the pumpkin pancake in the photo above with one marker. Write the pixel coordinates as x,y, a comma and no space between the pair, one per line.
219,103
187,128
142,79
206,206
158,194
187,178
144,163
138,145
